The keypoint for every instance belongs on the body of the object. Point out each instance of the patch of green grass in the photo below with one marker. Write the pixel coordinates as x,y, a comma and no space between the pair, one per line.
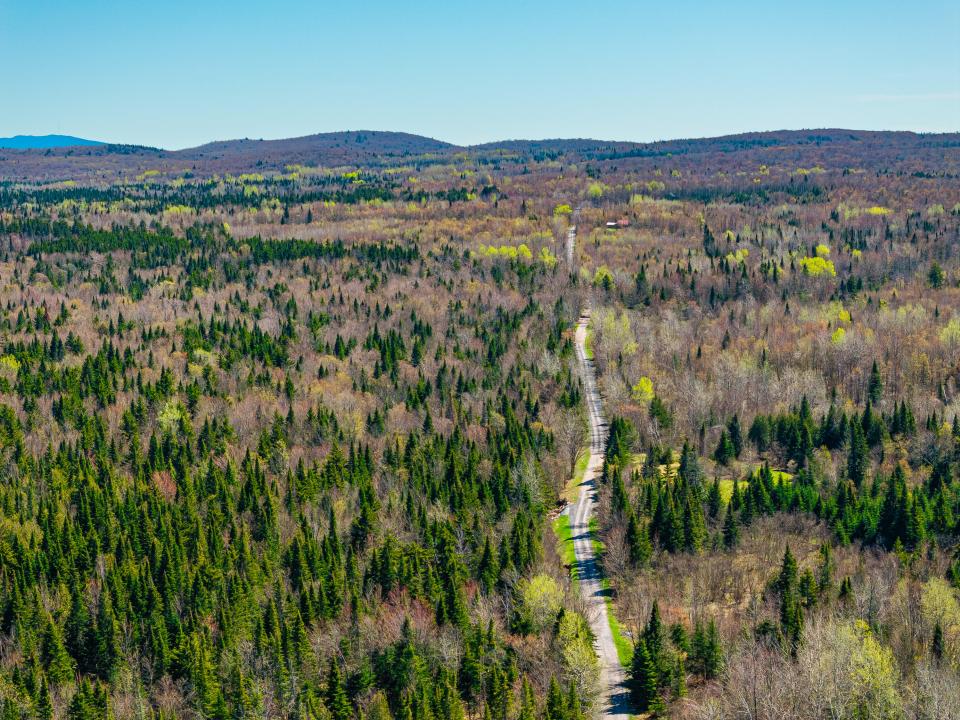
572,490
726,484
561,528
623,643
778,475
598,546
588,343
726,488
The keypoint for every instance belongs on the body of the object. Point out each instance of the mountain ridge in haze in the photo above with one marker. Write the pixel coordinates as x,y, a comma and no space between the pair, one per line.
45,142
377,149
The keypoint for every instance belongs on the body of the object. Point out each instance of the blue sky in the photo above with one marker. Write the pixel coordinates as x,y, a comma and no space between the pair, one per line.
176,74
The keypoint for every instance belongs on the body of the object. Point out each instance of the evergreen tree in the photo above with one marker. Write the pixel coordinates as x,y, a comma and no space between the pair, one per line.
643,677
731,530
689,469
875,384
638,543
712,652
714,499
937,645
857,458
725,451
736,435
335,697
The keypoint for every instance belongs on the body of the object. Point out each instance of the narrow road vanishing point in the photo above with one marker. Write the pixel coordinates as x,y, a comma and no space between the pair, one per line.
615,698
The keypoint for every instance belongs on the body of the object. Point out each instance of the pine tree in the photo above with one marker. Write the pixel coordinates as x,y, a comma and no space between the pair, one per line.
791,620
760,433
44,704
787,579
654,637
488,570
106,640
89,703
731,530
725,451
825,572
679,675
643,677
574,706
712,653
689,469
857,457
937,645
618,496
736,435
846,590
335,697
694,525
528,707
60,666
638,543
556,704
714,499
875,384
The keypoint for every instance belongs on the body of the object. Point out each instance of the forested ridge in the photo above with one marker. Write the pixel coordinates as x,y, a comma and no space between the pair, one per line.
294,443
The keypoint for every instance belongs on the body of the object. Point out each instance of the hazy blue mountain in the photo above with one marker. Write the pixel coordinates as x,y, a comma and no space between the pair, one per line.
30,142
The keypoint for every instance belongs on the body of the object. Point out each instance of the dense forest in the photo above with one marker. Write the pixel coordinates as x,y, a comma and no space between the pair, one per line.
293,440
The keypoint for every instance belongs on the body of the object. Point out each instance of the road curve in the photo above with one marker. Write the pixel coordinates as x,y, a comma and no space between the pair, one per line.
615,698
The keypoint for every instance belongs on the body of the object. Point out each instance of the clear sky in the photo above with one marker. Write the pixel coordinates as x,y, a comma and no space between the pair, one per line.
175,74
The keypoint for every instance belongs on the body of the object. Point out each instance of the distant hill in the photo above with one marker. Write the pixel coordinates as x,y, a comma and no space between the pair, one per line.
42,142
374,142
59,157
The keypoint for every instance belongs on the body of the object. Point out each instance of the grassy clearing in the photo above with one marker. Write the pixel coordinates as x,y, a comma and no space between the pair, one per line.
726,488
726,484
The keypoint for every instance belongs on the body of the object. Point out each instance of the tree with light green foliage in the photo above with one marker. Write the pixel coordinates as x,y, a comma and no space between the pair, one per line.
642,392
541,598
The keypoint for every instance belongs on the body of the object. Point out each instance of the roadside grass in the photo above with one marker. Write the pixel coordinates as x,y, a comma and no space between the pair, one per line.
594,527
572,489
588,342
564,534
623,643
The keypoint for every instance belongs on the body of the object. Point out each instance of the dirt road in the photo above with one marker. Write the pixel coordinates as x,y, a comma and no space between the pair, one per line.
614,695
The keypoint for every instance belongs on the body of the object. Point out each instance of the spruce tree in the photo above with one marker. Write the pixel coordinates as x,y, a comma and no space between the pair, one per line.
643,677
638,543
857,458
714,499
731,530
528,707
937,644
725,451
736,435
712,653
875,384
787,579
335,697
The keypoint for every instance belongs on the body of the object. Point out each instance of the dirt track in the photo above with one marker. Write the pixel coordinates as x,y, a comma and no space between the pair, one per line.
614,695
